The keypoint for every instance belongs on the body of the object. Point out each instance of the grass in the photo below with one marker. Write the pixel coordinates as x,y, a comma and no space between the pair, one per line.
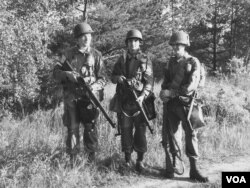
32,150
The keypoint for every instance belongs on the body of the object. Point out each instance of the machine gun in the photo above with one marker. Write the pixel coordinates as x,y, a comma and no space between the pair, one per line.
81,84
141,108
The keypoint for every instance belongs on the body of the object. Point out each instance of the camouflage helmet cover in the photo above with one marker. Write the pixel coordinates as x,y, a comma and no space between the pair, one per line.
82,28
134,33
179,37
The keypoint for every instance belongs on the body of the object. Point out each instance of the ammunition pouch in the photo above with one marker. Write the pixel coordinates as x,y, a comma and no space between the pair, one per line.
196,117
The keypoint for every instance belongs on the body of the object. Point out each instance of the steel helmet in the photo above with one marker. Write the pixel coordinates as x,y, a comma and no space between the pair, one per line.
179,37
82,28
134,33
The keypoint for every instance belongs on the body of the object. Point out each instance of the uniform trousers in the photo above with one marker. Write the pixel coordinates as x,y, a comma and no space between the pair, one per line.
76,113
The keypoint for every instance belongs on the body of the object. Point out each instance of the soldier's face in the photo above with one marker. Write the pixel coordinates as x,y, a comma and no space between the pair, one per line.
179,50
133,45
84,40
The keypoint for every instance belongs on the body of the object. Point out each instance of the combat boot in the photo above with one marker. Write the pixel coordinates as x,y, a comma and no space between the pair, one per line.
139,167
128,166
128,162
194,172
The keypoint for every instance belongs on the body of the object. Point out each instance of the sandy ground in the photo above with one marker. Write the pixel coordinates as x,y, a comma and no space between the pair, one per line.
212,170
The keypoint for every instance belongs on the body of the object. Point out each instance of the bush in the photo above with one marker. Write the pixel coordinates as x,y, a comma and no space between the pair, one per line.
234,66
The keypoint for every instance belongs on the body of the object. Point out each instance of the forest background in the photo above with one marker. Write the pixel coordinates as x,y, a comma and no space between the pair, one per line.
33,35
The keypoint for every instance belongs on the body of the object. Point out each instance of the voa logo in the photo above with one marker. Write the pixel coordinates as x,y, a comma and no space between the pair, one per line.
236,179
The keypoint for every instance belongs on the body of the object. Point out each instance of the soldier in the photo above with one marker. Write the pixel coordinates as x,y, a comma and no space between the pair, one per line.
182,76
136,68
87,62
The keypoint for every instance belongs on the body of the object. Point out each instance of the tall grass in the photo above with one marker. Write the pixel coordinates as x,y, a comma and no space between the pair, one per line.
32,150
228,118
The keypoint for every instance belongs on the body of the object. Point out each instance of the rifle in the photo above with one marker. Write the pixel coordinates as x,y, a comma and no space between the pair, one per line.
191,109
141,108
81,84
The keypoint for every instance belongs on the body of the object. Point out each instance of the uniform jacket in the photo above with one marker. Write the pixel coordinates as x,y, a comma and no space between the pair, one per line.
138,68
88,64
182,75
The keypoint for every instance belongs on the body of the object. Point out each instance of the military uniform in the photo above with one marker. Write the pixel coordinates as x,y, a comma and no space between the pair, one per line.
77,107
138,69
182,77
181,80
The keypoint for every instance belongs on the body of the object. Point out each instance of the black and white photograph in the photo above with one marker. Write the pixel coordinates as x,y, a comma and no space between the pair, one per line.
124,93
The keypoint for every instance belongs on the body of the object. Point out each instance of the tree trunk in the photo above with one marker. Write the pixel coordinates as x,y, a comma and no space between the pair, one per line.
231,32
85,16
215,37
172,6
235,31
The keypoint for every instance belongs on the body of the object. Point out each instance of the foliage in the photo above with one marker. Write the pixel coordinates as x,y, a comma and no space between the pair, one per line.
34,33
24,51
32,36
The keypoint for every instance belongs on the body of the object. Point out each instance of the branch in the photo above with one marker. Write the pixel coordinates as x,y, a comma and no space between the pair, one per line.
114,49
85,16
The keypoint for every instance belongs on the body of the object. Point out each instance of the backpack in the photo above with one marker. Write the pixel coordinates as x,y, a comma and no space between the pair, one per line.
202,73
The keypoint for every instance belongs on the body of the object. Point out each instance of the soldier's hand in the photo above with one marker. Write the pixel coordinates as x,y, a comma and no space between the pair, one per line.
95,87
132,82
72,76
121,79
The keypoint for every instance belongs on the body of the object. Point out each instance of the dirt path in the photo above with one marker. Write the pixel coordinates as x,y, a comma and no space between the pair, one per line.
212,170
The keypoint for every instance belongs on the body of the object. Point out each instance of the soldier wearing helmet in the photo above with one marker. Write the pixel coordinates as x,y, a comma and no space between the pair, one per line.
182,76
136,68
87,62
